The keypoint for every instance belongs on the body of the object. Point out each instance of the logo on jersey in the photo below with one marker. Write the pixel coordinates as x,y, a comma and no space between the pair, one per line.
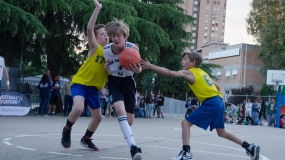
120,67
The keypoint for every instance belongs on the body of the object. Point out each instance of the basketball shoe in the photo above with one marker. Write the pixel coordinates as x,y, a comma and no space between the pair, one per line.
183,155
65,139
136,153
86,142
253,151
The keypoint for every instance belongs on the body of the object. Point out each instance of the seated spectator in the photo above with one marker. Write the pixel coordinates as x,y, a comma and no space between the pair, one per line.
226,118
248,120
234,119
141,111
282,121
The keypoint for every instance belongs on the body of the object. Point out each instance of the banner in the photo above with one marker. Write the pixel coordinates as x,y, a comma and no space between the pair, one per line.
14,104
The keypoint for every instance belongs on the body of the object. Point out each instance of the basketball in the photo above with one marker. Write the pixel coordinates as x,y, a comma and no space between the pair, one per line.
129,56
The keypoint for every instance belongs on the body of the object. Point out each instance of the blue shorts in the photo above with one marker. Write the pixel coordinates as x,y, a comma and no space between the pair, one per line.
91,94
211,112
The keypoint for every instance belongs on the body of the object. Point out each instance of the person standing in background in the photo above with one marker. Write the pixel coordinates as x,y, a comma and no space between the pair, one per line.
3,68
68,100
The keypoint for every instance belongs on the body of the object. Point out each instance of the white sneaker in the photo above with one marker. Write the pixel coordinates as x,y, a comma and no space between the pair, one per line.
183,156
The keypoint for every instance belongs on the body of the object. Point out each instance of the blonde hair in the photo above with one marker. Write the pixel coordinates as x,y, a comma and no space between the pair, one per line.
117,26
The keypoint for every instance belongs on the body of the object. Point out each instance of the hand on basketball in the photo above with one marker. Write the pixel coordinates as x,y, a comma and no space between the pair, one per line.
135,68
145,64
97,4
107,67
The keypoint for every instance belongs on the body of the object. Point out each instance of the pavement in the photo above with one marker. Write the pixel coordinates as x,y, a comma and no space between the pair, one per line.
38,138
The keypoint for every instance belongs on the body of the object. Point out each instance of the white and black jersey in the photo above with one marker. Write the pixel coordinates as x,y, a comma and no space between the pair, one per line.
121,83
1,66
116,69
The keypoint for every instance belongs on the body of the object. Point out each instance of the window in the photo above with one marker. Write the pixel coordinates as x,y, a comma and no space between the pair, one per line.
207,14
196,2
222,37
228,74
195,15
194,28
192,47
234,73
215,2
207,8
217,16
212,35
216,29
214,9
193,40
205,40
193,34
195,9
227,91
218,2
194,21
218,74
206,21
205,34
206,28
208,1
213,22
216,35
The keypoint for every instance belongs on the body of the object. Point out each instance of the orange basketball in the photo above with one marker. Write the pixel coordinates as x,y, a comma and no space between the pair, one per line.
129,56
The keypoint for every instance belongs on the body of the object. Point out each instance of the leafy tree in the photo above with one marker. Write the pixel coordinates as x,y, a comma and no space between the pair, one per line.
266,90
238,95
266,22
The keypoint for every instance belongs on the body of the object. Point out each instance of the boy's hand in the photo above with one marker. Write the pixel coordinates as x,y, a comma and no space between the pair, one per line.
135,68
145,64
97,4
107,67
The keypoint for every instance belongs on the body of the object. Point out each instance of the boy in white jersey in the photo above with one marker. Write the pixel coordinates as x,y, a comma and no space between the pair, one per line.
3,68
211,111
121,82
86,83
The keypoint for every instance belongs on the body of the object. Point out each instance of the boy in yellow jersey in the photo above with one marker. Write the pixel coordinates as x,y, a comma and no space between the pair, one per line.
211,111
86,83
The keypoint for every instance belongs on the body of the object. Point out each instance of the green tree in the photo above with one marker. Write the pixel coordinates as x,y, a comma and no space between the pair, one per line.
266,22
239,94
266,90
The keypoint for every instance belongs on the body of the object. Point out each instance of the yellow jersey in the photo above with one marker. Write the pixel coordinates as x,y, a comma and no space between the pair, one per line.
92,72
203,86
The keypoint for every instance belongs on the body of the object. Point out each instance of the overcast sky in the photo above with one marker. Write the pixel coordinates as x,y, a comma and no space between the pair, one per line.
235,27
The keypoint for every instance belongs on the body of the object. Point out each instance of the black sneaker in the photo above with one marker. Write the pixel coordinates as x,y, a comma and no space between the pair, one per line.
65,139
136,153
53,114
86,142
253,151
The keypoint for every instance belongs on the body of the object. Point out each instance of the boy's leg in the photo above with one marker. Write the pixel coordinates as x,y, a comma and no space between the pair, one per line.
251,149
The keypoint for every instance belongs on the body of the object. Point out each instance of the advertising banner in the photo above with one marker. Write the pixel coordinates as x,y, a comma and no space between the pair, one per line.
14,104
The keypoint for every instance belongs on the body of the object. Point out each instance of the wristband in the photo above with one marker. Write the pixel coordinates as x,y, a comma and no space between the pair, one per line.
7,83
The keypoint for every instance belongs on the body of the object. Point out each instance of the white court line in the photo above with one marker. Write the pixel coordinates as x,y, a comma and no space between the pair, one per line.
66,154
7,139
114,158
30,149
8,143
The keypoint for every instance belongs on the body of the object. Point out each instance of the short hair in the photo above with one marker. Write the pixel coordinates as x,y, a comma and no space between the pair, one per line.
117,26
194,56
97,27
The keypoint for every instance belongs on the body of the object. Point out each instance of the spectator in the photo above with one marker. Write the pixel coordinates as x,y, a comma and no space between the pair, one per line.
248,119
282,121
160,103
55,94
262,111
248,107
226,118
188,106
44,86
149,103
155,105
142,112
271,111
194,103
68,100
254,110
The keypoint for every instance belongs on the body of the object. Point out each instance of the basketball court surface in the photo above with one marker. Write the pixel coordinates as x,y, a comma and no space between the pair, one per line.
38,138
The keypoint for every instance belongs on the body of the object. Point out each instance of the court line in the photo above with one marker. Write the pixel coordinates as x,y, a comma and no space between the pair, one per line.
8,143
114,158
66,154
30,149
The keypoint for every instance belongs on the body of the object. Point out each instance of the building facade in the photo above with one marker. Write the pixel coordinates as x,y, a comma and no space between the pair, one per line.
209,25
241,65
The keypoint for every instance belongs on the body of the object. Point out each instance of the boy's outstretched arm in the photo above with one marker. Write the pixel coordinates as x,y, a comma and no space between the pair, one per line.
93,45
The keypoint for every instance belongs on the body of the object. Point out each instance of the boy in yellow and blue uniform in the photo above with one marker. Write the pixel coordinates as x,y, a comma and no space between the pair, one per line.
86,83
211,111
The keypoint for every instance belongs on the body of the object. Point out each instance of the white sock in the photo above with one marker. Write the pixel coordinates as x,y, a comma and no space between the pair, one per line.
126,130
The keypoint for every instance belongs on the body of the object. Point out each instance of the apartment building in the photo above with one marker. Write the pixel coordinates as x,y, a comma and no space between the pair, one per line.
241,65
209,25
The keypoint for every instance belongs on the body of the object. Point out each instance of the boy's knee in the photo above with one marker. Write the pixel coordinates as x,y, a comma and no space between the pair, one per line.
78,111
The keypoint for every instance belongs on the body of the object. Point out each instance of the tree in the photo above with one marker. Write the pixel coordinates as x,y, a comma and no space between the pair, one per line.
240,94
266,90
266,22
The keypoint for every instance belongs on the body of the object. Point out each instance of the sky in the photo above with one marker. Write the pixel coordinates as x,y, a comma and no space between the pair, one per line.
235,27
